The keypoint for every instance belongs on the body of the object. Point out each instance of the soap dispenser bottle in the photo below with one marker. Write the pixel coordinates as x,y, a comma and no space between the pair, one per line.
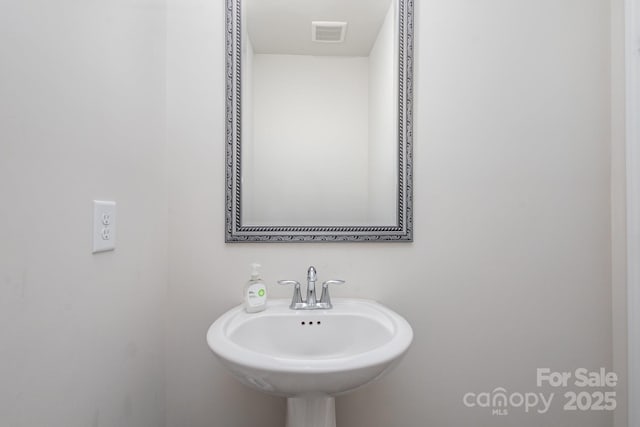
255,292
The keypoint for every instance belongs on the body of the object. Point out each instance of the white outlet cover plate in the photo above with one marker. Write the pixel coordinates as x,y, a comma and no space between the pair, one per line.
104,226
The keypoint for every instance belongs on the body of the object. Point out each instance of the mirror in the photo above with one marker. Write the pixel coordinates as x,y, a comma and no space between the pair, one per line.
319,120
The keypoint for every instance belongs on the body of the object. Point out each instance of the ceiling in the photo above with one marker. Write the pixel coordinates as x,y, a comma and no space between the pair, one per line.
284,26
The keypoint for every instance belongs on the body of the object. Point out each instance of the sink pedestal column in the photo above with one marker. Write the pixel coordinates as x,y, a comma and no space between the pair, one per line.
318,410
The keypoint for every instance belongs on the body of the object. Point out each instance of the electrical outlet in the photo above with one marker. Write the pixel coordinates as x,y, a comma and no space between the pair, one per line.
104,226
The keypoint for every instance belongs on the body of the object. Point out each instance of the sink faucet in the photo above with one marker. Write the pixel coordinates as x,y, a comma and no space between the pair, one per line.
311,303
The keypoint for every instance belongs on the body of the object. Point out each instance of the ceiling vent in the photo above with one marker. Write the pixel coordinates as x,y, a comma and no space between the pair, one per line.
328,31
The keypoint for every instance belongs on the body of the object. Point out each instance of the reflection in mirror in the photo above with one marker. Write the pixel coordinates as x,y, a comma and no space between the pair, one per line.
319,130
317,148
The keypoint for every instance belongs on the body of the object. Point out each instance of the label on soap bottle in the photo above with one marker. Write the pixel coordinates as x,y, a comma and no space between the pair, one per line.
256,294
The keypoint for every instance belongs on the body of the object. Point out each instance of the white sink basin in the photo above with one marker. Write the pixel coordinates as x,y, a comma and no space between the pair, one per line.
310,356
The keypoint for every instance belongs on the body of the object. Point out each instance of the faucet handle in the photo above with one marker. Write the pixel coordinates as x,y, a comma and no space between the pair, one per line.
296,300
325,299
332,282
289,282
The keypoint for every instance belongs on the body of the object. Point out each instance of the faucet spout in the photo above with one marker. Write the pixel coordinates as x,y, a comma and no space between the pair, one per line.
311,286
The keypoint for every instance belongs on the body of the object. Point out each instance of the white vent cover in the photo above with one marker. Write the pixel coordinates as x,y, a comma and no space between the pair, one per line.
328,31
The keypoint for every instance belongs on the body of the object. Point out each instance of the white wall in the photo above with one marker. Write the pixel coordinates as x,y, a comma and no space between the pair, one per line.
511,265
383,123
82,116
309,140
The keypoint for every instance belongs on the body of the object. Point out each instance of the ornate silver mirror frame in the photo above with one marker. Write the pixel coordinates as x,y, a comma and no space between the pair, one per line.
235,231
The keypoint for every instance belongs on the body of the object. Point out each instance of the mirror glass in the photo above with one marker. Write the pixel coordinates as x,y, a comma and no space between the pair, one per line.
317,148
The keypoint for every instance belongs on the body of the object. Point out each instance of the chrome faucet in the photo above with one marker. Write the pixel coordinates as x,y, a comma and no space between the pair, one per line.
311,303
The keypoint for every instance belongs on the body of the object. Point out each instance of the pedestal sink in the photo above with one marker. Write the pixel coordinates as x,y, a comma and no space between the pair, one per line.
310,356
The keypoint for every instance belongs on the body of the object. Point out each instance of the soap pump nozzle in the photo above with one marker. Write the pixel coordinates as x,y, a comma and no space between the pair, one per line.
255,274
